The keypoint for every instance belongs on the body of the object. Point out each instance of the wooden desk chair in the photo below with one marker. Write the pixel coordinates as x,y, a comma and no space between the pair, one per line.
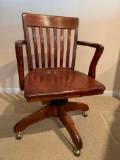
51,43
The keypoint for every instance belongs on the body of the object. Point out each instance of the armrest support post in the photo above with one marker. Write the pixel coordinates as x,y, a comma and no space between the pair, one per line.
97,55
20,62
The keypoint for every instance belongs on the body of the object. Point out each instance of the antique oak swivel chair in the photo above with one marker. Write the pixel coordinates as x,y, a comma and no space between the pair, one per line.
51,43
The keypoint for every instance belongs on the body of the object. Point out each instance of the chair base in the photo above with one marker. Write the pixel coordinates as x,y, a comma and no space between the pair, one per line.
57,108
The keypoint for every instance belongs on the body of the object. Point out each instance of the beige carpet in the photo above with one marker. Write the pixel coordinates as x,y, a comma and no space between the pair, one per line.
48,139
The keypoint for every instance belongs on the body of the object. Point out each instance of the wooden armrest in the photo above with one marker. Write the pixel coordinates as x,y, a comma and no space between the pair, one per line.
20,62
97,55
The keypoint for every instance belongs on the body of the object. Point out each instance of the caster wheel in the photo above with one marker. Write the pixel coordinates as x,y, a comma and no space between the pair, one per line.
18,135
77,152
85,114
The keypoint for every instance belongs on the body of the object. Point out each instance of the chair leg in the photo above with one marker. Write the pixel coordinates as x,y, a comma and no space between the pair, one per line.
32,118
71,130
55,111
73,106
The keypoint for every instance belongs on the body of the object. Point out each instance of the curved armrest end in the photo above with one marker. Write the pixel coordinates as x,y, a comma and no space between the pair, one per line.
97,55
94,62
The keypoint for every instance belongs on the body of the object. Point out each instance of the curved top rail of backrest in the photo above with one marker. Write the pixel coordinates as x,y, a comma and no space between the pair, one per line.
34,20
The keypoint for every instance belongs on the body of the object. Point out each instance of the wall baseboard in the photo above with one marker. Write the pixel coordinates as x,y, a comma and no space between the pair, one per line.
17,90
112,93
10,90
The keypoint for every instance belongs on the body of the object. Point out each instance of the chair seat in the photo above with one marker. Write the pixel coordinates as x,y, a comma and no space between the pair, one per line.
58,83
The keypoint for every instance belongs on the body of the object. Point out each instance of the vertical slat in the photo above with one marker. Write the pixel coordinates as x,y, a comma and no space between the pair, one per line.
35,47
68,47
61,47
48,46
55,47
28,49
42,47
74,48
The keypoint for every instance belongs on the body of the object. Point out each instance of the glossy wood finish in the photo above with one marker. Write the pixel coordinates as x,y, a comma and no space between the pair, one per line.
59,83
51,43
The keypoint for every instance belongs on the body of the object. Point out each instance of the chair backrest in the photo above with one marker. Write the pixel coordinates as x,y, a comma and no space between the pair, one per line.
51,41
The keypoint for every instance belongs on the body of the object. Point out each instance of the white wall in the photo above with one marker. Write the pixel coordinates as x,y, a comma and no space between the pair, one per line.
99,22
